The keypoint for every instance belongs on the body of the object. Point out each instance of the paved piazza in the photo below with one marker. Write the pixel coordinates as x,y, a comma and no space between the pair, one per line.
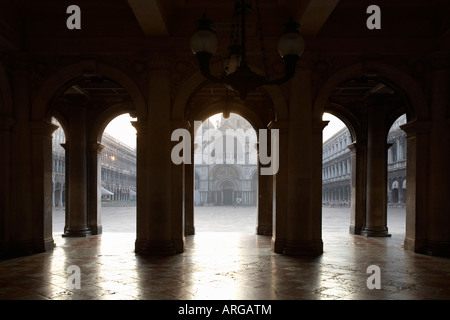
229,219
226,260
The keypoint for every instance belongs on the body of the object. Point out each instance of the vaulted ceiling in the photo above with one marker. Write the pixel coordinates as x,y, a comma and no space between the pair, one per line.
330,27
36,25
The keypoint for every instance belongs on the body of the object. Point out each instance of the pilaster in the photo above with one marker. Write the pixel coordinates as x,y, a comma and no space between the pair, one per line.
358,187
156,227
182,189
438,233
417,138
279,202
6,124
42,215
141,179
265,221
94,187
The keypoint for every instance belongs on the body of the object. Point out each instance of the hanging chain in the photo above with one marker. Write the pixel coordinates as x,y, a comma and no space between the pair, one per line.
234,38
261,38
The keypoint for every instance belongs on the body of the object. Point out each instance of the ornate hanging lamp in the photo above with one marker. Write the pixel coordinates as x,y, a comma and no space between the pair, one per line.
237,75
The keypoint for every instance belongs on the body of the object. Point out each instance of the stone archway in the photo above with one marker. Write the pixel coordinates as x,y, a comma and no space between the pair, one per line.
415,105
183,116
82,147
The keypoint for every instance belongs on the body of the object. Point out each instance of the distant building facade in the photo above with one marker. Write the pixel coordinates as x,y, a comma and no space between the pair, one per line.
231,179
118,169
59,167
336,167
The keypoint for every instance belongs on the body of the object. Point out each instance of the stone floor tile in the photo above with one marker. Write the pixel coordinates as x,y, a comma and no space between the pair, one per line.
227,265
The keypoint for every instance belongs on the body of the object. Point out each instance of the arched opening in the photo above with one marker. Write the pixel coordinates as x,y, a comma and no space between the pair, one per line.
86,105
369,103
396,177
225,183
336,176
228,194
58,179
118,176
196,101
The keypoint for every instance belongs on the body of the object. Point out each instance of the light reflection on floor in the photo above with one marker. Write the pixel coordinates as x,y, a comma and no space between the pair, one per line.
226,265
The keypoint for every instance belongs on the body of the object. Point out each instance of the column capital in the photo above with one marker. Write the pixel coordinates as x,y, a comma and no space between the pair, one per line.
319,125
65,146
281,125
141,126
96,147
356,147
44,128
416,127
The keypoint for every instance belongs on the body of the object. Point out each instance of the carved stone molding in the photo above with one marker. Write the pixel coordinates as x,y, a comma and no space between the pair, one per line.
43,128
415,128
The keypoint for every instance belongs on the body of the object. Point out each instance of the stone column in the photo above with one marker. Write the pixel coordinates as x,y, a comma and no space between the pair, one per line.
316,176
264,203
304,194
189,174
76,175
141,182
30,221
155,224
42,184
279,192
438,217
417,138
94,187
182,188
358,187
376,183
6,124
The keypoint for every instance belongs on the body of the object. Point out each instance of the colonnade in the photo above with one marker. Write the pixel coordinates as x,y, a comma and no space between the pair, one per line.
289,202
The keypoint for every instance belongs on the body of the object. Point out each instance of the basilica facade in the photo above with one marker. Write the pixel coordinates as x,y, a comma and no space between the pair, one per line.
231,179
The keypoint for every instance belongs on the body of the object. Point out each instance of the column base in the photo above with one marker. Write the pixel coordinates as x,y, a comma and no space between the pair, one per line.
179,245
189,230
264,230
278,245
355,230
27,247
97,230
155,248
375,232
438,248
303,248
415,246
428,247
77,232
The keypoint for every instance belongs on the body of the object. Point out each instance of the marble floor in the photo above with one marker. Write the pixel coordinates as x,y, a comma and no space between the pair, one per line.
229,264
